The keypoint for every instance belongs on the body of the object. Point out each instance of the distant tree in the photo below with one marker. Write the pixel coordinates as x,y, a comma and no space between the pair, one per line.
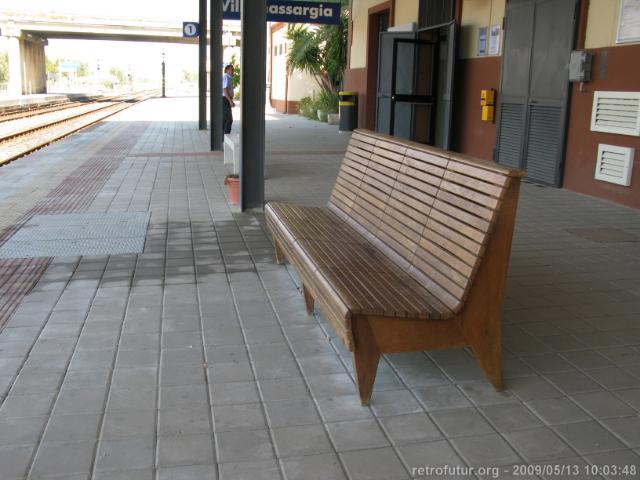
236,69
189,76
119,75
83,70
52,66
4,67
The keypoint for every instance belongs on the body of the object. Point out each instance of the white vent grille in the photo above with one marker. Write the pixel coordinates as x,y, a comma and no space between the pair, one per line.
614,164
616,112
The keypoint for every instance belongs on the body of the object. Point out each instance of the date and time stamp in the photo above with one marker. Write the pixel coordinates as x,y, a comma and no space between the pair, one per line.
529,470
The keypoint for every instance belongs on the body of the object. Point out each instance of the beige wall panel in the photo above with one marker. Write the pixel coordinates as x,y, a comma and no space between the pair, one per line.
602,23
360,16
406,11
477,14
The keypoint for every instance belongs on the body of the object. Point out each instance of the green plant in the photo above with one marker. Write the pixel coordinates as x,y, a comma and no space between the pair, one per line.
308,108
4,67
327,101
236,69
320,52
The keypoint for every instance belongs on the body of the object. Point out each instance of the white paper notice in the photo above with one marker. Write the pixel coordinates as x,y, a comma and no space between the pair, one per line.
629,25
494,40
482,41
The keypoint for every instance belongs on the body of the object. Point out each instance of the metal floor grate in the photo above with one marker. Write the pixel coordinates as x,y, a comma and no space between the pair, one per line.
78,235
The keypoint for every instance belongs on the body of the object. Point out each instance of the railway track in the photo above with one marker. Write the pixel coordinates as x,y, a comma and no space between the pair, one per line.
26,134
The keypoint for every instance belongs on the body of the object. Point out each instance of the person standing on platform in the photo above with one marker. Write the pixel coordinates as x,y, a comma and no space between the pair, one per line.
227,100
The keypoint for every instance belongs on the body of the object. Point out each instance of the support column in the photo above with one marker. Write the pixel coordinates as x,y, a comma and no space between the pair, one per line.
215,75
202,66
254,59
15,66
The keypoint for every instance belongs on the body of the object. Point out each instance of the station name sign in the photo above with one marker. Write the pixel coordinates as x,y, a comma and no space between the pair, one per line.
291,11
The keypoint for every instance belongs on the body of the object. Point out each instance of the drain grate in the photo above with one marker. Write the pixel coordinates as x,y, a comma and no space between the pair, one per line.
81,234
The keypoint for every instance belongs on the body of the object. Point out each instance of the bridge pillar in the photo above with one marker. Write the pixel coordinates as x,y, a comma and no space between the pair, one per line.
27,66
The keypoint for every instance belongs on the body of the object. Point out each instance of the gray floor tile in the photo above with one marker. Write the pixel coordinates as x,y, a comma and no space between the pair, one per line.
539,443
313,467
119,424
75,401
487,450
412,428
374,464
603,405
190,472
434,454
289,413
15,460
331,385
20,430
142,474
441,397
342,407
256,470
72,428
185,450
554,411
510,417
234,393
128,454
627,428
483,393
244,446
186,420
283,388
461,421
131,399
30,405
631,396
394,402
63,458
356,435
246,416
588,437
301,440
530,388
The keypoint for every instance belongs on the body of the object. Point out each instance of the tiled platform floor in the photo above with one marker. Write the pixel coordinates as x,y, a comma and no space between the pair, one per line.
196,359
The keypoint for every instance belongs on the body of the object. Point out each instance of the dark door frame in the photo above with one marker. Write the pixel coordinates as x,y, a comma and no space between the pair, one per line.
373,49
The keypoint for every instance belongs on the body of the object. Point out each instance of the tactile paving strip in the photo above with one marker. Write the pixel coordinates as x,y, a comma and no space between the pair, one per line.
78,235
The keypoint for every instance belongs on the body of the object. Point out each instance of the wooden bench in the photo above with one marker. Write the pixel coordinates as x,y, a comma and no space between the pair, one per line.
411,252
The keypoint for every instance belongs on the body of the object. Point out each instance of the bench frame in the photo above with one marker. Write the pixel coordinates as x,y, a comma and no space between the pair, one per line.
477,325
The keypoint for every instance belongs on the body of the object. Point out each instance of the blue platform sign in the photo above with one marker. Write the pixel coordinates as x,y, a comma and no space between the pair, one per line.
291,11
190,29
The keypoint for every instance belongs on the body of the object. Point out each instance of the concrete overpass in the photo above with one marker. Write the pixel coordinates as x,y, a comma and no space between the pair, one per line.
28,34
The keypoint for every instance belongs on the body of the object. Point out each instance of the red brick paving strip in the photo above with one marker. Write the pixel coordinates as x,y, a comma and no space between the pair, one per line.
73,195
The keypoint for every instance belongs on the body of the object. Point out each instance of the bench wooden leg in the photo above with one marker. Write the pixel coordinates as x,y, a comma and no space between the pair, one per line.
488,352
366,356
279,253
308,300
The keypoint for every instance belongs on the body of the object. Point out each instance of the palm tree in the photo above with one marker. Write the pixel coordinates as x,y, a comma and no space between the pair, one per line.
320,52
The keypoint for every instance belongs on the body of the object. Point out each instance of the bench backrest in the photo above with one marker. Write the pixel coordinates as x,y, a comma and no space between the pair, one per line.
429,210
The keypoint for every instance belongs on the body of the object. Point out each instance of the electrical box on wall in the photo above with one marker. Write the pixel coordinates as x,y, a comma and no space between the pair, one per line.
487,101
487,97
580,66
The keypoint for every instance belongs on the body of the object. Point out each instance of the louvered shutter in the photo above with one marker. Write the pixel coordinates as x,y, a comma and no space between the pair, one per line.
616,112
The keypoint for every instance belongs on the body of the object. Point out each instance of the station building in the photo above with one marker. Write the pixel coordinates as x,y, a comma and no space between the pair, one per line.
424,68
287,88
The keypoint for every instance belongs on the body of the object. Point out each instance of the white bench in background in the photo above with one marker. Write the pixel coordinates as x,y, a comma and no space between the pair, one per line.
232,152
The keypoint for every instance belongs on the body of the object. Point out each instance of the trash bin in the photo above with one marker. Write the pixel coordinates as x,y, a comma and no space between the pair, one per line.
348,111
